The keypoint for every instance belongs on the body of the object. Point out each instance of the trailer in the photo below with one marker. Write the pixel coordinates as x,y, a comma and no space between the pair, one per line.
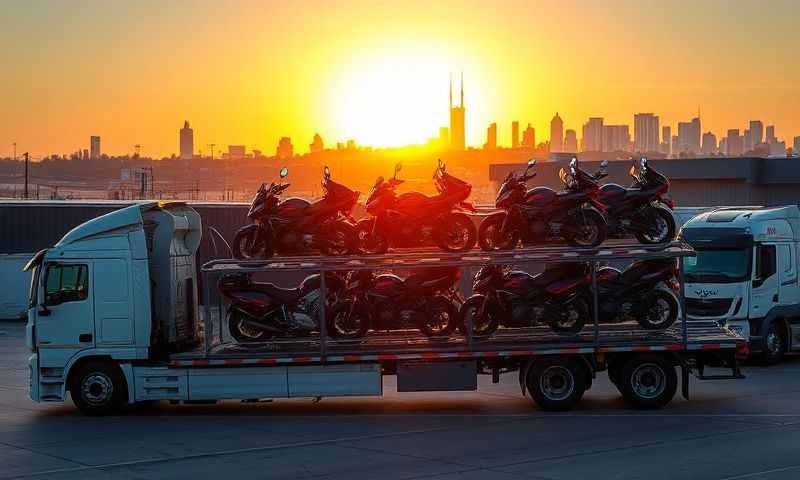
114,318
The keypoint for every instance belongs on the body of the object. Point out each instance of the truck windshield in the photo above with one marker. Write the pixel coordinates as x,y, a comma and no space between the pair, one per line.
718,266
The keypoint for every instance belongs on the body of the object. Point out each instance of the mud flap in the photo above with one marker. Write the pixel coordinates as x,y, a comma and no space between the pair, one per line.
684,381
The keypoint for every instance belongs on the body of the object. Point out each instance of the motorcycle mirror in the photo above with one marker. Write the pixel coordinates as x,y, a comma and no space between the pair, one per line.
604,164
573,163
531,162
378,181
326,171
284,172
643,162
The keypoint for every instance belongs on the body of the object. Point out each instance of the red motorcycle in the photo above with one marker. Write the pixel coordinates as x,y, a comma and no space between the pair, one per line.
413,219
297,226
541,213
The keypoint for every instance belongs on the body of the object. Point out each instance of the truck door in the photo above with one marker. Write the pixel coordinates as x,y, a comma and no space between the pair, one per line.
790,288
65,317
765,292
113,309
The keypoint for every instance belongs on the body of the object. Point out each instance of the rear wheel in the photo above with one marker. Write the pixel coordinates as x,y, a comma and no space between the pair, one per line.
490,238
339,239
662,228
99,388
570,318
251,243
556,383
439,318
241,331
483,324
457,234
369,240
348,320
648,381
591,228
660,312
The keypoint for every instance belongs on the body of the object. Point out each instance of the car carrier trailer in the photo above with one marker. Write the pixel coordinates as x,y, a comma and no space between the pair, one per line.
114,318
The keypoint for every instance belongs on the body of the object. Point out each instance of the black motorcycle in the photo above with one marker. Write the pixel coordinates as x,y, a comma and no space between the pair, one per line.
297,226
426,300
518,299
261,311
642,292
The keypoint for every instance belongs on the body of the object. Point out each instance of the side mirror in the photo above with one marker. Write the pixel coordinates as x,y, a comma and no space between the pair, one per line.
326,172
531,162
643,163
604,164
284,172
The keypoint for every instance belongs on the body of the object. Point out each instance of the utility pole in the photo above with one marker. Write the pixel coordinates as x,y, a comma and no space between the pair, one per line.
27,157
15,151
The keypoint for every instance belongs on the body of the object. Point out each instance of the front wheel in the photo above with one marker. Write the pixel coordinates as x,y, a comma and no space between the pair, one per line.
369,239
339,239
661,228
439,318
251,242
241,331
98,388
457,234
660,311
774,346
591,229
569,319
490,238
348,320
483,324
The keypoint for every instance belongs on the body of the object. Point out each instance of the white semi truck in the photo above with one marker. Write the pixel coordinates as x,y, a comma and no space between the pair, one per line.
745,274
114,319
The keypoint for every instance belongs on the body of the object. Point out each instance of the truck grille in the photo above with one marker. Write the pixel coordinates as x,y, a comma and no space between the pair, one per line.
714,307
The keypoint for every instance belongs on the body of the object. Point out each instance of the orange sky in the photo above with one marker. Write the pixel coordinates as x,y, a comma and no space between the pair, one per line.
251,72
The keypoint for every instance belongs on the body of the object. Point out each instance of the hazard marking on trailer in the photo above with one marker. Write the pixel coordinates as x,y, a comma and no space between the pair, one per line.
229,362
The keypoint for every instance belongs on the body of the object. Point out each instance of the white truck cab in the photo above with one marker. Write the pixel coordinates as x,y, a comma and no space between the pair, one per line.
95,294
746,274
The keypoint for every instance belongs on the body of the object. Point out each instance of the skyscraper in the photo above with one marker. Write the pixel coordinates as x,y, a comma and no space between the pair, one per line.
285,149
316,145
556,134
688,137
734,143
709,145
747,141
645,132
570,141
491,137
592,138
666,137
756,132
514,134
770,135
236,152
616,138
186,140
94,147
529,137
457,136
796,145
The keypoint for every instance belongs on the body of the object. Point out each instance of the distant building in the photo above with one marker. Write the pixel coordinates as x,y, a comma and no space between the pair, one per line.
592,138
514,134
94,147
457,127
777,149
444,136
796,145
674,146
86,154
688,137
556,134
770,135
723,146
666,138
351,145
709,146
529,137
735,143
570,141
186,141
491,137
236,152
645,132
756,132
616,138
316,145
747,141
285,149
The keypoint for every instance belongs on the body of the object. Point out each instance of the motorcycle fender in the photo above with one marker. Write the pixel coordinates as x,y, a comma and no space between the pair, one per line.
509,221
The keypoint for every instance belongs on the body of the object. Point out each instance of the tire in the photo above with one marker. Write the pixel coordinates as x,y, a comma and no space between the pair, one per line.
251,242
774,345
439,318
99,388
482,327
660,312
457,234
369,242
489,230
666,228
241,332
348,320
571,318
593,229
648,381
556,383
340,239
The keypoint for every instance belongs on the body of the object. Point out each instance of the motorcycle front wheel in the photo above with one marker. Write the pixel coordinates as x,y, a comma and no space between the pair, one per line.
457,234
348,320
661,230
660,312
251,243
241,332
570,318
489,237
339,239
591,228
368,240
439,318
482,325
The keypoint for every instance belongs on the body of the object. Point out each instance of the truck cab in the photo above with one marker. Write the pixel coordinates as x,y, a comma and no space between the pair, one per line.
745,275
115,290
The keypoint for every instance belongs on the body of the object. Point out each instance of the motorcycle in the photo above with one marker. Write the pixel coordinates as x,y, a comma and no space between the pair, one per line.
542,213
297,226
426,300
260,311
644,209
518,299
636,293
413,219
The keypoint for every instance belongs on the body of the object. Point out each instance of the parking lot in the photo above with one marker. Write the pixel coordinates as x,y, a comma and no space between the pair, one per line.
729,430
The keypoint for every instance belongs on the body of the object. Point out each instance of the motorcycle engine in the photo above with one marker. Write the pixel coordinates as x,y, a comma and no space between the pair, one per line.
522,313
292,241
307,312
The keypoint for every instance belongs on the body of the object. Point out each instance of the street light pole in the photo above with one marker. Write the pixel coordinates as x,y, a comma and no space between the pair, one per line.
27,157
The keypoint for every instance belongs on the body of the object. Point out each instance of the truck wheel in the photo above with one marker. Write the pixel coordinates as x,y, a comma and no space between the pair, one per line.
98,388
648,381
774,345
557,383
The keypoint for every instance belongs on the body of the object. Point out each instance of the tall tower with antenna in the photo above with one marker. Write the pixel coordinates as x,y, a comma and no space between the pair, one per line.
457,137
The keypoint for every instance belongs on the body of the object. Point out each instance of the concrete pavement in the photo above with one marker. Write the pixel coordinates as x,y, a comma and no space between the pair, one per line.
736,429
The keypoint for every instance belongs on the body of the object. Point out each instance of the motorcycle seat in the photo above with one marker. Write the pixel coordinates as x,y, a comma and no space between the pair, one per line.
283,295
414,201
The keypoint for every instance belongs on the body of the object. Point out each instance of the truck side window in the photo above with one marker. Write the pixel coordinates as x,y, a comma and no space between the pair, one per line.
66,283
765,262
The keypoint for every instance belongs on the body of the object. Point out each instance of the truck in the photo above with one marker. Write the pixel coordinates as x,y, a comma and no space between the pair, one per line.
114,318
745,275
